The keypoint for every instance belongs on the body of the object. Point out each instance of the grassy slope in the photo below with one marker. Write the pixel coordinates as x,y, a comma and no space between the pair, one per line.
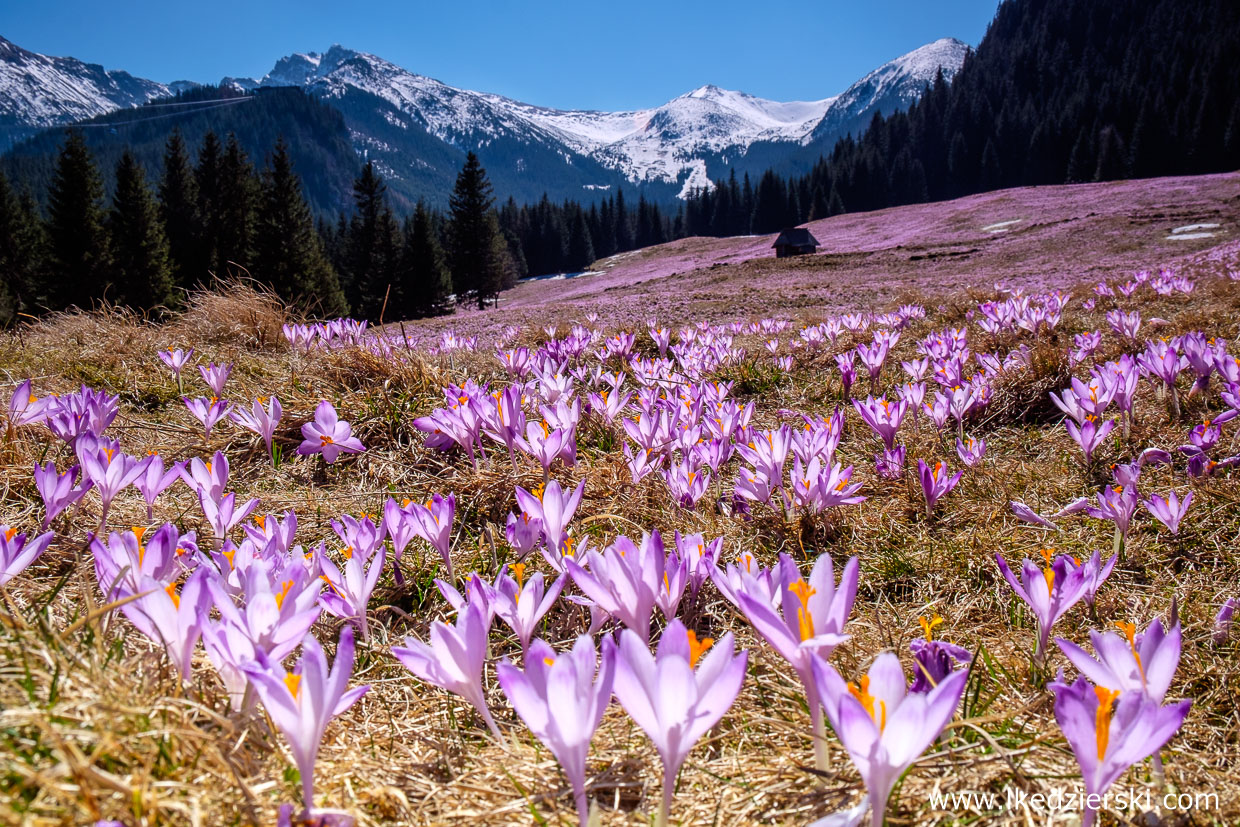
95,723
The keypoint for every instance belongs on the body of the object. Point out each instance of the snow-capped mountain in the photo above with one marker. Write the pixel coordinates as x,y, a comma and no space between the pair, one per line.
685,142
416,129
37,91
891,87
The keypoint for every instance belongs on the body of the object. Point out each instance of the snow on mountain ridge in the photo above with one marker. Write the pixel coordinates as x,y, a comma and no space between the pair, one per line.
37,90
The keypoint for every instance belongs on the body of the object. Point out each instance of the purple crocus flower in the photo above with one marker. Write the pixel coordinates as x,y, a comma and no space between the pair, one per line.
215,376
524,533
1027,514
302,702
224,516
934,659
261,420
848,369
936,482
1049,592
883,417
1223,621
554,508
812,621
454,659
176,360
699,556
1109,731
884,726
349,591
207,411
562,699
207,477
890,464
971,451
109,469
1116,504
1168,510
1131,662
1089,435
433,523
175,618
328,435
624,579
674,703
521,603
17,552
59,491
686,482
25,408
127,558
154,480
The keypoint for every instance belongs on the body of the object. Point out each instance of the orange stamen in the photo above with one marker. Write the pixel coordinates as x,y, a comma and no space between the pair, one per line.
805,621
697,648
927,625
1102,721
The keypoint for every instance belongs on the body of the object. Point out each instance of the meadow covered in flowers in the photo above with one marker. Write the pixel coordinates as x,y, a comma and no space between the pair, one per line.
732,569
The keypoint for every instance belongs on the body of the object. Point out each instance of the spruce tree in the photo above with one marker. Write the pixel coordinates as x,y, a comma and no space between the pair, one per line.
580,245
425,283
22,251
476,250
178,209
139,250
76,232
210,198
237,194
288,251
366,248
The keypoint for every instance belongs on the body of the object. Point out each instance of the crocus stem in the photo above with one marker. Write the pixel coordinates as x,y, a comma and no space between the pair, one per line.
1160,776
669,789
822,760
583,806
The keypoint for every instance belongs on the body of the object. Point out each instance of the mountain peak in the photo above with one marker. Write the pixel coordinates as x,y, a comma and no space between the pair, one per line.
708,91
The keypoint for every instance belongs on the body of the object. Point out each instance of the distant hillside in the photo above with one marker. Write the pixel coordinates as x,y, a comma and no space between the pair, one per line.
316,134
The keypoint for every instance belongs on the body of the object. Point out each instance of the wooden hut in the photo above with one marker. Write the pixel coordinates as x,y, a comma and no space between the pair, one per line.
795,241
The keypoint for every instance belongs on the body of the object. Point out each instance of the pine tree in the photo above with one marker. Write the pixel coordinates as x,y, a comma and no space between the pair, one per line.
139,250
580,245
76,232
476,249
178,210
423,275
207,182
235,207
288,251
367,249
21,253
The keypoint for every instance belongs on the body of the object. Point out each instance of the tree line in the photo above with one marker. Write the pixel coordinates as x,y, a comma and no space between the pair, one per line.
1068,91
217,215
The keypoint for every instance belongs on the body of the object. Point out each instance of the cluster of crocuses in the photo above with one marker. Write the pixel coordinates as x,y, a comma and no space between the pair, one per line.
1113,714
331,334
326,435
241,586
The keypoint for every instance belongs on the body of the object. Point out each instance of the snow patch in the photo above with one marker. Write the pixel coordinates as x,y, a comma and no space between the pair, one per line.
1178,236
1002,226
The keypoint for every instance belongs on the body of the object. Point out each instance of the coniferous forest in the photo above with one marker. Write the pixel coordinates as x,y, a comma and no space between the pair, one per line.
1058,91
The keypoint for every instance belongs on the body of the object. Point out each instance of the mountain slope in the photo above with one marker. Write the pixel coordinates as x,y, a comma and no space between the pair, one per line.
38,91
417,129
318,140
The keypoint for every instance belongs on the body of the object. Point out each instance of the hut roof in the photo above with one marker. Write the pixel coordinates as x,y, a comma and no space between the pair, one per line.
796,237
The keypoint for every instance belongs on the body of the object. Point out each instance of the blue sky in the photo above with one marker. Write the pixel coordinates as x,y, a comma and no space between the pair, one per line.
583,54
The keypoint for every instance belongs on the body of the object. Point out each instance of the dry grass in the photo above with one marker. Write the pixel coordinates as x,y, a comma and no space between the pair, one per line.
93,722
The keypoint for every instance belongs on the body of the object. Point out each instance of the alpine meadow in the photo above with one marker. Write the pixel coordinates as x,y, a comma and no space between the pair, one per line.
378,451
